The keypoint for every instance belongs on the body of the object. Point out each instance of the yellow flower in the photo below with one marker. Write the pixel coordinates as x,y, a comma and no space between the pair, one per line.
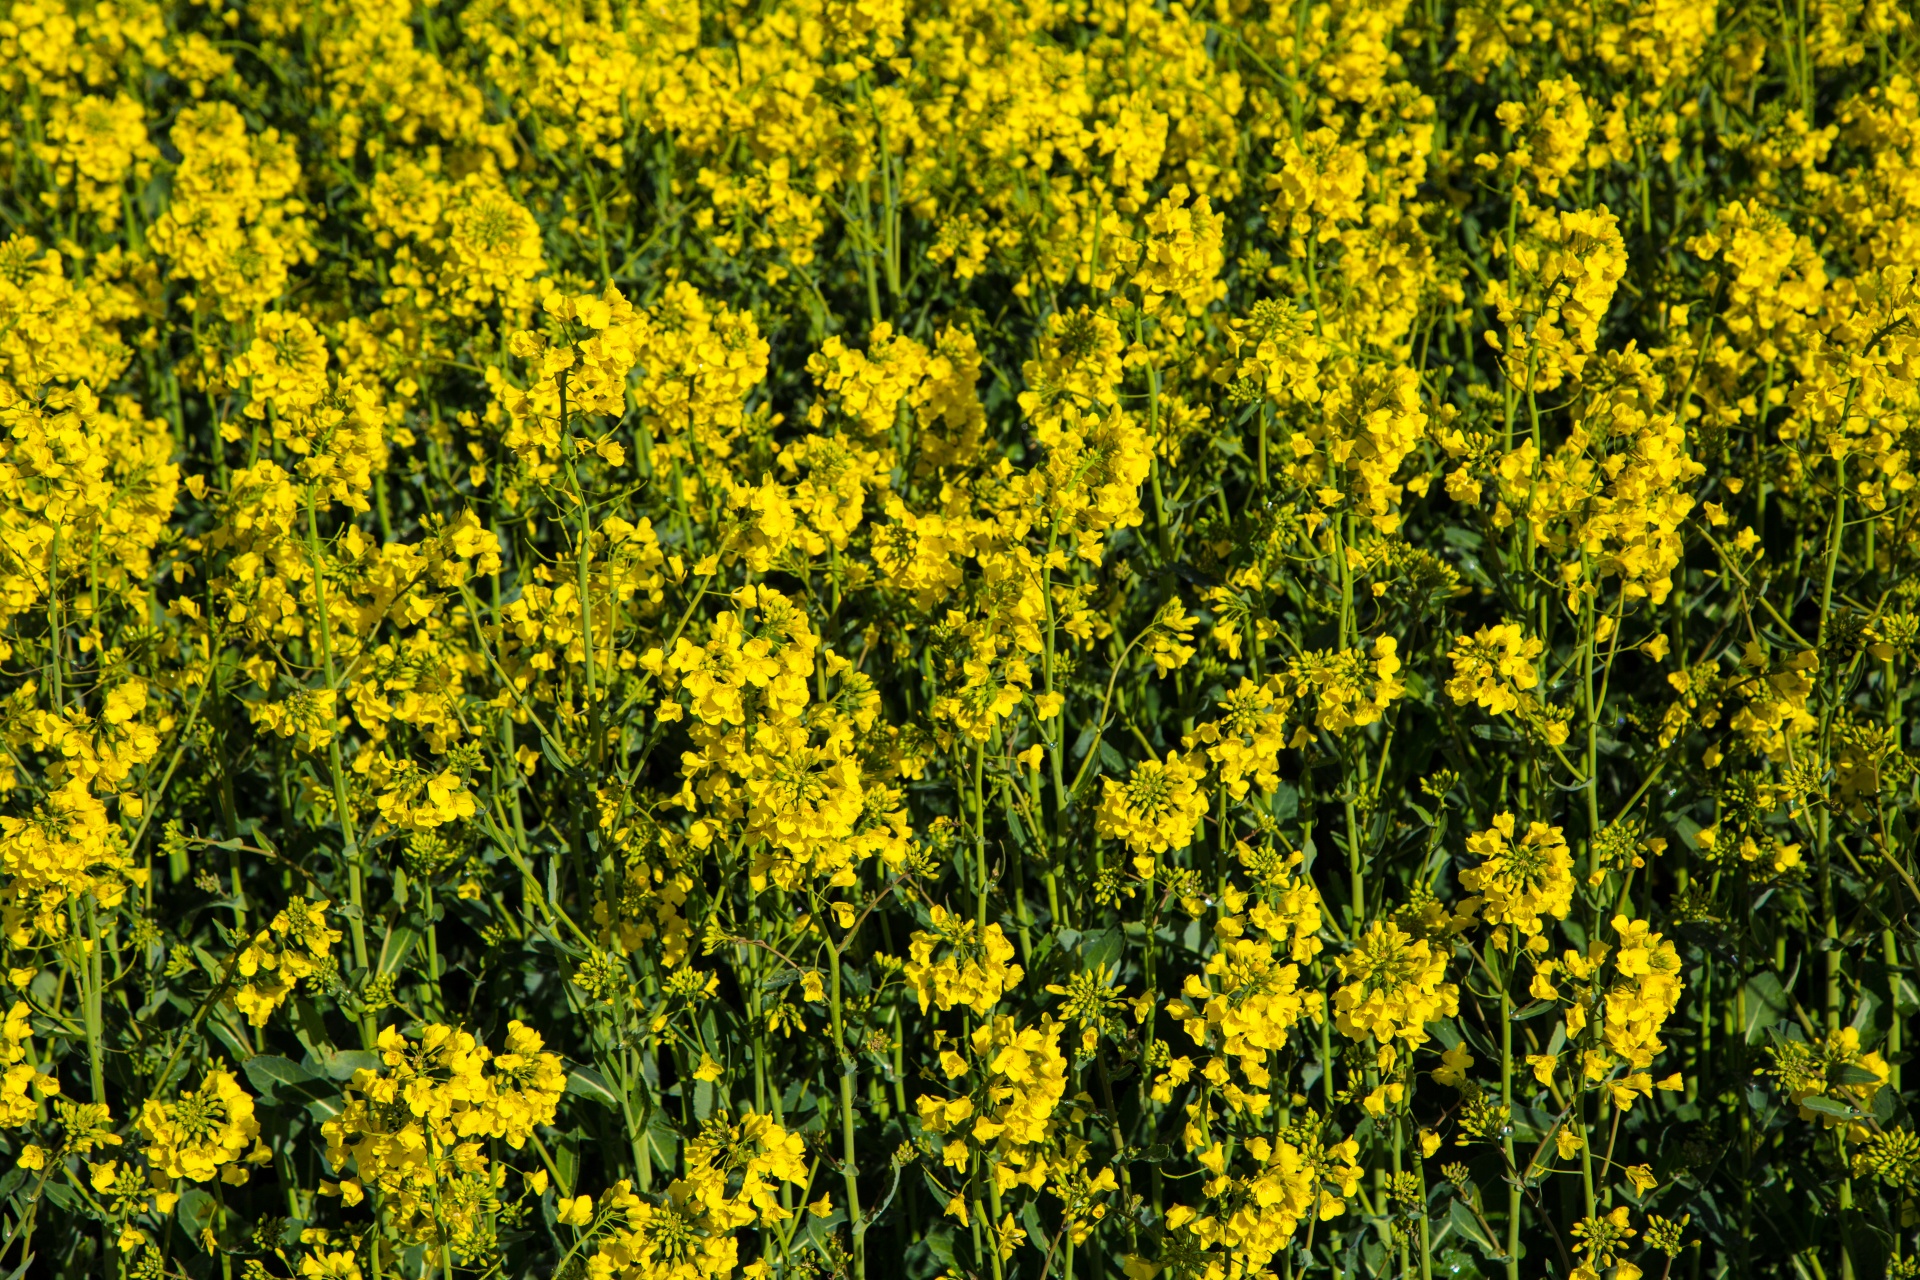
21,1083
416,1129
1598,1239
1157,807
1245,1005
1394,985
337,1265
972,969
204,1133
1519,881
1346,694
1454,1065
1492,667
1813,1070
1245,739
1645,994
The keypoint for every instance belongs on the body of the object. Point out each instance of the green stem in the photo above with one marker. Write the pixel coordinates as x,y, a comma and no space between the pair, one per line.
856,1226
92,981
1506,1100
356,925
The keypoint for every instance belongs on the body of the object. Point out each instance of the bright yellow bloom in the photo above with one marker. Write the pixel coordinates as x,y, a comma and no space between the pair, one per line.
1519,881
205,1133
1157,808
1394,985
972,969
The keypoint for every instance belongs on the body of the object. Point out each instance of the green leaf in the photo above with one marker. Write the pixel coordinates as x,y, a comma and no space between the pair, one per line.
1461,1219
585,1082
342,1063
1847,1073
663,1142
939,1193
939,1242
313,1028
1530,1124
195,1212
237,1047
268,1072
1030,1219
1097,950
393,951
1766,1004
1827,1106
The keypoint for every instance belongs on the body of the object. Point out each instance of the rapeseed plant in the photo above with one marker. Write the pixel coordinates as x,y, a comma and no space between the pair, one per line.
836,637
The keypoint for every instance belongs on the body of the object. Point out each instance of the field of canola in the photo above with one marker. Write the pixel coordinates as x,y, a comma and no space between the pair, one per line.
990,639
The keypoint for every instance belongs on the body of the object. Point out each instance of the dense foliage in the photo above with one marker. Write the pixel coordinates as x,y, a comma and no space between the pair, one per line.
1001,638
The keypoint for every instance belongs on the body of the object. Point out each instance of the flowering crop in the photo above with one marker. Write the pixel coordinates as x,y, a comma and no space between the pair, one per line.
1081,640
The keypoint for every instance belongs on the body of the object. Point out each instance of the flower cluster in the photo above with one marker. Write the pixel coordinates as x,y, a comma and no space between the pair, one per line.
1520,880
415,1130
295,947
1394,986
210,1131
971,971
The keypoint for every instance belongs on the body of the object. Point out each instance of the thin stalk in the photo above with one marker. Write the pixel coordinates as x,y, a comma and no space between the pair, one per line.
855,1225
351,841
1506,1100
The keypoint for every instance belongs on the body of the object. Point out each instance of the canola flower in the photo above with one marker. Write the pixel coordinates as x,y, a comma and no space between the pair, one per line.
1520,879
661,641
210,1131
